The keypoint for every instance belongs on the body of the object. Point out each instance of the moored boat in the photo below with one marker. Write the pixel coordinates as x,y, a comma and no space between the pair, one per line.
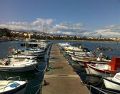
105,69
33,51
18,64
98,69
12,86
112,83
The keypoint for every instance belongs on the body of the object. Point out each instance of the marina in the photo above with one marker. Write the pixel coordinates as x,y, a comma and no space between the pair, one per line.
60,47
56,72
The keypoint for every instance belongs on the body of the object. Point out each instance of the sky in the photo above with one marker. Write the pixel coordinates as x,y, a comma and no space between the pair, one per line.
90,14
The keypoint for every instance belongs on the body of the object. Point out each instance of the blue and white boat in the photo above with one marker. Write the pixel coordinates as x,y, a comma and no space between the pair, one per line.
12,87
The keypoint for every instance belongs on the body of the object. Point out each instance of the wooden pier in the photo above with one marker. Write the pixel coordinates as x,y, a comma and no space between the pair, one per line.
61,79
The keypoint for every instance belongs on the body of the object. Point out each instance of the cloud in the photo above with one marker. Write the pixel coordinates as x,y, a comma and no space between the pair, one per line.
79,30
15,26
107,31
38,25
40,21
69,28
46,25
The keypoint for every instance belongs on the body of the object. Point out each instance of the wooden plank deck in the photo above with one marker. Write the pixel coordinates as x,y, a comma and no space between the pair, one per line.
61,77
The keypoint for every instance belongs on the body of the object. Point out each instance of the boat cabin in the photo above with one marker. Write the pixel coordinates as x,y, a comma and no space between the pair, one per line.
115,64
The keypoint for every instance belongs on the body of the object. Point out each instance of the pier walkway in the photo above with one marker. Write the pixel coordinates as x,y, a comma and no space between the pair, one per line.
61,77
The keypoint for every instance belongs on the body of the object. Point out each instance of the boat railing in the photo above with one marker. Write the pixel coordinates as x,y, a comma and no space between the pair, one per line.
110,92
97,89
100,90
16,77
38,90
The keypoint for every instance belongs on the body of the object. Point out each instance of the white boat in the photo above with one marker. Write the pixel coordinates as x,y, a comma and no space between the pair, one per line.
31,47
63,44
30,52
18,64
32,43
12,87
22,56
91,65
105,69
83,53
87,58
36,51
83,56
73,48
98,69
112,83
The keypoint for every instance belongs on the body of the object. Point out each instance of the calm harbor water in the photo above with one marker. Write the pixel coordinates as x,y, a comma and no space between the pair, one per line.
35,77
111,48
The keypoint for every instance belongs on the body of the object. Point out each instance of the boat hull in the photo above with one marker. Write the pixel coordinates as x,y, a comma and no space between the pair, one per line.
109,84
19,90
18,69
95,71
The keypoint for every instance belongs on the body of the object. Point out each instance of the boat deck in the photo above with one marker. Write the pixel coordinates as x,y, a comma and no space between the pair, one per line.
61,79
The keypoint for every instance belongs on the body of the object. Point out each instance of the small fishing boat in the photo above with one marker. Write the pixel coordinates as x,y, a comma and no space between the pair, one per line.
11,86
73,48
112,83
83,56
30,48
32,43
30,51
98,69
89,58
18,64
105,69
22,56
